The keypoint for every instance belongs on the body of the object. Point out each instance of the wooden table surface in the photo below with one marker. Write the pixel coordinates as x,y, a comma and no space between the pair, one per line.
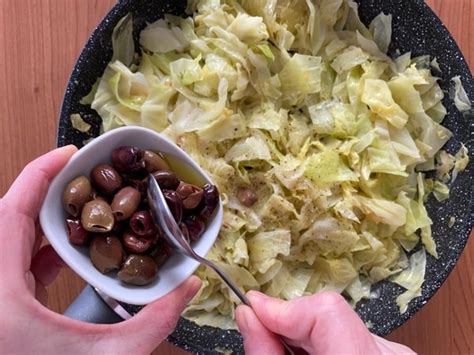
39,43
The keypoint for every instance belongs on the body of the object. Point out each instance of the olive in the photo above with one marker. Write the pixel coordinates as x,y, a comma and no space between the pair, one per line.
97,217
142,224
154,162
135,244
166,179
138,270
76,194
76,233
128,159
106,252
125,203
209,202
106,179
247,197
195,226
175,204
190,194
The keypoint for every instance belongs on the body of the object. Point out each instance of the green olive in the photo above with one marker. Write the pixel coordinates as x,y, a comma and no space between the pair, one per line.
138,270
125,203
154,162
76,194
97,216
106,253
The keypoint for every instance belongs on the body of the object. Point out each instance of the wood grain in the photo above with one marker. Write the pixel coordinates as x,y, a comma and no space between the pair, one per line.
39,43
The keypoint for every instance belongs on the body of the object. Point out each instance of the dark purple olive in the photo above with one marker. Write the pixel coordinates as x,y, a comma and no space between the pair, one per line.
190,194
196,227
76,194
142,223
128,159
106,179
135,244
154,162
209,202
138,270
106,252
125,203
76,233
97,217
175,204
166,179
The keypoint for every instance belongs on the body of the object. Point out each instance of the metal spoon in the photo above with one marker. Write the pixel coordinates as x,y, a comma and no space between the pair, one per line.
175,238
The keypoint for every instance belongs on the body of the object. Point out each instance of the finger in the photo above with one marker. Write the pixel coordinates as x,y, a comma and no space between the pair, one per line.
257,338
26,194
157,320
323,322
46,265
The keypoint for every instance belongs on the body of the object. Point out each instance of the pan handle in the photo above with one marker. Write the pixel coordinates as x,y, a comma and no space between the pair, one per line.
91,308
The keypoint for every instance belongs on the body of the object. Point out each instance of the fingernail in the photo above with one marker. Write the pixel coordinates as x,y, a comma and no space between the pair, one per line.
255,296
71,148
194,285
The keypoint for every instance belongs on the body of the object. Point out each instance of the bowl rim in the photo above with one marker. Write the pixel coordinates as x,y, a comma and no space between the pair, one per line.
122,292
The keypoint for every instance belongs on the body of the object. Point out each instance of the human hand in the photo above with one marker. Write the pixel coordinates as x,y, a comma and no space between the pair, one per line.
320,324
26,325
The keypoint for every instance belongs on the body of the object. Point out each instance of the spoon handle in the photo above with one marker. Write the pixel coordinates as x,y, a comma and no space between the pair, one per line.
224,277
236,290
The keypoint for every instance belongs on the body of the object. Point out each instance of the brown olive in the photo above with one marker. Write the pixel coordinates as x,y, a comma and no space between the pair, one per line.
106,252
154,162
76,233
142,224
135,244
195,226
175,204
76,194
138,270
209,201
190,194
106,179
125,203
166,179
128,159
97,217
247,197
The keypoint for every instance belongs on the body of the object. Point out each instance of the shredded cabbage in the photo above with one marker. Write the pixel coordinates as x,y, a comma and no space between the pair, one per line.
299,102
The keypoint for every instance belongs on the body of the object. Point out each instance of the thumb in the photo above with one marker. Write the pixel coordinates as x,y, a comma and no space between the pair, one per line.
148,328
257,338
323,323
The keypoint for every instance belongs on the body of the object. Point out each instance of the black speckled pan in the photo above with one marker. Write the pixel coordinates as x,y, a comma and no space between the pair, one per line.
416,29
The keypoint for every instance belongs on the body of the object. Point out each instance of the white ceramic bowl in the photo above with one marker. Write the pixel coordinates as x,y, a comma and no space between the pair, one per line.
52,217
